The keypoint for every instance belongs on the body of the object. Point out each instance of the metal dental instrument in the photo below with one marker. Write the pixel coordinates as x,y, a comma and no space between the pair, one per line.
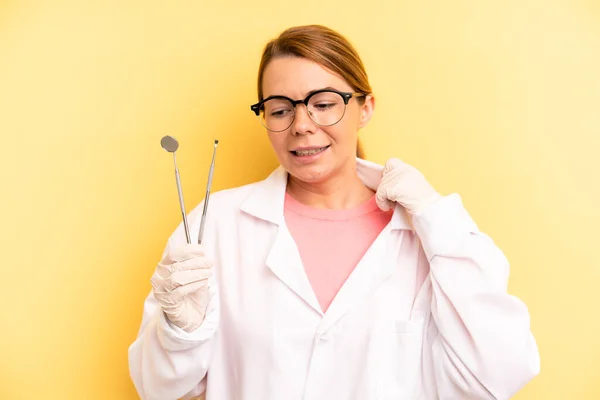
170,144
208,185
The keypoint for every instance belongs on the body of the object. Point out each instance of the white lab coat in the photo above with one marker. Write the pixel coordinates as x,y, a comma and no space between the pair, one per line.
424,315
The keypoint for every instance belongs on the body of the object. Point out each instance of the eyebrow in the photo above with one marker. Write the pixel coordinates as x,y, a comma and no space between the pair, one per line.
307,94
325,88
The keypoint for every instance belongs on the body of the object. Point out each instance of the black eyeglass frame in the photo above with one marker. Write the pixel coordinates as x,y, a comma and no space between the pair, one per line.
346,96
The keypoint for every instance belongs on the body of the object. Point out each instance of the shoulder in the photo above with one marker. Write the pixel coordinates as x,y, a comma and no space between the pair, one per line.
223,205
225,208
226,201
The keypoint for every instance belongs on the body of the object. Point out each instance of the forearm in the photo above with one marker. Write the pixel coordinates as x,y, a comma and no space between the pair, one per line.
165,362
484,348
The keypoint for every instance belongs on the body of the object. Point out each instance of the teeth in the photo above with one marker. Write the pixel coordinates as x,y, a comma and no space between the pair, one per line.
309,152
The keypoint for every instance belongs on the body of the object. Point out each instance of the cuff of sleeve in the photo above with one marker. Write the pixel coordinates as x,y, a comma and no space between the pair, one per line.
174,338
442,226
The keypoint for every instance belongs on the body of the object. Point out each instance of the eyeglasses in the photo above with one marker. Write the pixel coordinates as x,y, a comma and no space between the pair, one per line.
325,107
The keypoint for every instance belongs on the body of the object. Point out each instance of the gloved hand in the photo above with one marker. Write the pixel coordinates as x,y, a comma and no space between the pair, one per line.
180,285
405,185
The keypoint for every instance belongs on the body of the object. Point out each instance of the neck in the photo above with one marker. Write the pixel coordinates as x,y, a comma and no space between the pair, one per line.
341,191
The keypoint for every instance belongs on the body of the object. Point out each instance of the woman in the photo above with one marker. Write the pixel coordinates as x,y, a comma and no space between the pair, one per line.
334,278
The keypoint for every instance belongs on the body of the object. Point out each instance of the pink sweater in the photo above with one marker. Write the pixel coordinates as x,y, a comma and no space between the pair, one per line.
332,242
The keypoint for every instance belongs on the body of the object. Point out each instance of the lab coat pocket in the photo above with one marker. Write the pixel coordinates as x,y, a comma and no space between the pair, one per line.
400,374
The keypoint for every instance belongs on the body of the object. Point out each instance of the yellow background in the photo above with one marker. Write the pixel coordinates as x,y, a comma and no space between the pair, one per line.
496,100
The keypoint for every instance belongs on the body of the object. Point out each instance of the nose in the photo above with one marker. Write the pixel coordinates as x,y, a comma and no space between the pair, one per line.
303,124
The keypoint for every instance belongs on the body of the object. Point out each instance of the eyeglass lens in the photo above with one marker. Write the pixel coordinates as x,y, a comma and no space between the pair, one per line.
325,108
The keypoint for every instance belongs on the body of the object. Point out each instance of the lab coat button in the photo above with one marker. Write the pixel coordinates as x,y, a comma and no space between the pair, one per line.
324,337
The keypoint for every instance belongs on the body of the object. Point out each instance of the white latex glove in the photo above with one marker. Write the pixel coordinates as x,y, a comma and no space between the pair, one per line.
405,185
180,285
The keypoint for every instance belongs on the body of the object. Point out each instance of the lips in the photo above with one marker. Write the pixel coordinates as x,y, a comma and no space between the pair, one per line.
309,151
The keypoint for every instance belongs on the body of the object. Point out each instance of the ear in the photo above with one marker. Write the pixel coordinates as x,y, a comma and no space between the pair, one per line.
366,111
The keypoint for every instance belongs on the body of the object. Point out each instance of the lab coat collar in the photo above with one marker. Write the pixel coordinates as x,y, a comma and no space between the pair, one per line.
267,200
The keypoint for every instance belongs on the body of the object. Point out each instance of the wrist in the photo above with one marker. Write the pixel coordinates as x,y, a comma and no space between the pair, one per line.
426,203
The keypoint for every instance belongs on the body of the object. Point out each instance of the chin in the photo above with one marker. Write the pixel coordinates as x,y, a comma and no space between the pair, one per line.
310,173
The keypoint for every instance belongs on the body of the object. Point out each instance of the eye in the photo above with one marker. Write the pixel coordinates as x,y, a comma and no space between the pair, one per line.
324,106
280,113
277,108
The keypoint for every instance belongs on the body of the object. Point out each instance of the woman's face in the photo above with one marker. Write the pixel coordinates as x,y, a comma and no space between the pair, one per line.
296,77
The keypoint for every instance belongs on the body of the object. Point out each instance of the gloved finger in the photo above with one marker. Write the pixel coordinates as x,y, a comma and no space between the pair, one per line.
163,271
199,300
189,311
390,179
167,302
181,278
382,201
383,194
160,278
158,283
189,289
192,263
394,164
183,253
